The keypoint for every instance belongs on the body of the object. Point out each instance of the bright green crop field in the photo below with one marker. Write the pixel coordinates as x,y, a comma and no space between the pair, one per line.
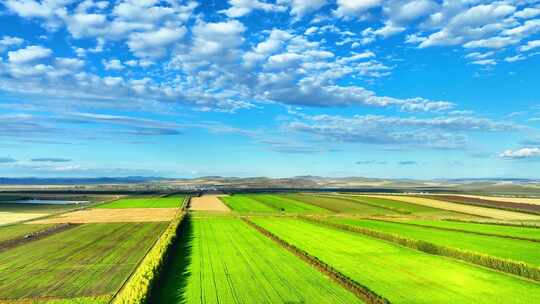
223,260
20,230
286,204
174,201
245,203
91,260
514,231
400,274
517,250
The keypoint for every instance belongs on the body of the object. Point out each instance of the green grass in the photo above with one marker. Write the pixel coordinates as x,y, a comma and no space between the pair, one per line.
174,201
517,250
223,260
245,203
402,207
340,205
522,232
20,230
401,274
86,261
286,204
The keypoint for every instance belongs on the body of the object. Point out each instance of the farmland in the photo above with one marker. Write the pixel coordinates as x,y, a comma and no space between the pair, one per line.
272,248
218,254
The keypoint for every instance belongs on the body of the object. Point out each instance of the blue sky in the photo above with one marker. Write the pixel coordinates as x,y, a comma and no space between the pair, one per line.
399,88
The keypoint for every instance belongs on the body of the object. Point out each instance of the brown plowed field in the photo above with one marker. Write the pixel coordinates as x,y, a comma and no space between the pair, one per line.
208,203
113,216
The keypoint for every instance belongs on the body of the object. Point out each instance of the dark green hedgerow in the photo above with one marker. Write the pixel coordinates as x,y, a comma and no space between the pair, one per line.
137,288
508,266
363,292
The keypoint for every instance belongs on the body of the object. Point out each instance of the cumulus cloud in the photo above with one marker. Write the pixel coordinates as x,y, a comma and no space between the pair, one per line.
9,41
524,153
355,8
29,54
241,8
300,8
533,44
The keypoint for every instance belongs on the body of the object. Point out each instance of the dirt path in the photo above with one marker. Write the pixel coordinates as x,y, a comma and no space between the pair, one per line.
208,203
113,216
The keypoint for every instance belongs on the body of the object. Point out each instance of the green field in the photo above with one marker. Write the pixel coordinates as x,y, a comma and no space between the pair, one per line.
174,201
400,274
223,260
245,203
20,230
517,250
86,261
340,205
503,230
287,204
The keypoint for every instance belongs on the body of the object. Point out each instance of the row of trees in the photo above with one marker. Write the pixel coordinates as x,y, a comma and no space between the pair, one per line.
137,289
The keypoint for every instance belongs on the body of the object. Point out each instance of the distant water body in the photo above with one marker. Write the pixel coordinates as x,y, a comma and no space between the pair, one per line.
50,202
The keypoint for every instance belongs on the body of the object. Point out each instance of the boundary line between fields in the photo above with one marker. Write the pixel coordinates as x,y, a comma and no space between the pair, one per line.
504,236
511,267
359,290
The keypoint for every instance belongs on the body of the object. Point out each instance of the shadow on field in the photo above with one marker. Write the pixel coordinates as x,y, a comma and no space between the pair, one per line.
171,287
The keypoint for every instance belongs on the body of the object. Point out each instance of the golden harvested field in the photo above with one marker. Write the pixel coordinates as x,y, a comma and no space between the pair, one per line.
13,217
113,216
480,211
522,200
208,203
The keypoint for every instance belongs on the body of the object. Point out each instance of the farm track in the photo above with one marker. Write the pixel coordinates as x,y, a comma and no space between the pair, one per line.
34,236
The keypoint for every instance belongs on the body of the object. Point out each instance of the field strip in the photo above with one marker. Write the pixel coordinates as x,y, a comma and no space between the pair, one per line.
474,210
127,215
510,206
507,236
508,266
359,201
34,236
358,289
208,203
521,200
14,217
401,274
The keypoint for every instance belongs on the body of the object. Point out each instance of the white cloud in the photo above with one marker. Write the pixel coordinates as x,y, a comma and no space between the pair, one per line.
523,153
300,8
241,8
515,58
219,39
355,8
485,62
154,44
113,64
29,54
530,45
8,41
527,13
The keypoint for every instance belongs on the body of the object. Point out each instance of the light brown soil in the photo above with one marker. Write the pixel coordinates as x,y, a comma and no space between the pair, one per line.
113,216
522,200
480,211
12,217
208,203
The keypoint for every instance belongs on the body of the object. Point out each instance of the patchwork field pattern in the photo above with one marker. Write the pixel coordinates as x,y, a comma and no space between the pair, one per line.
174,201
223,260
400,274
208,203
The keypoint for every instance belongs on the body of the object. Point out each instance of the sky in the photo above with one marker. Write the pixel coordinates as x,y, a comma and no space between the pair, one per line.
418,89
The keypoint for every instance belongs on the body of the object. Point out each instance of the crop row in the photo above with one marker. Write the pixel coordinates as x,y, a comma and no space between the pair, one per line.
361,291
513,267
137,288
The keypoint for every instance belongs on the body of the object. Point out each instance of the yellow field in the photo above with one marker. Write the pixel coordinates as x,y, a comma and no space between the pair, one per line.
480,211
208,203
522,200
13,217
112,216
